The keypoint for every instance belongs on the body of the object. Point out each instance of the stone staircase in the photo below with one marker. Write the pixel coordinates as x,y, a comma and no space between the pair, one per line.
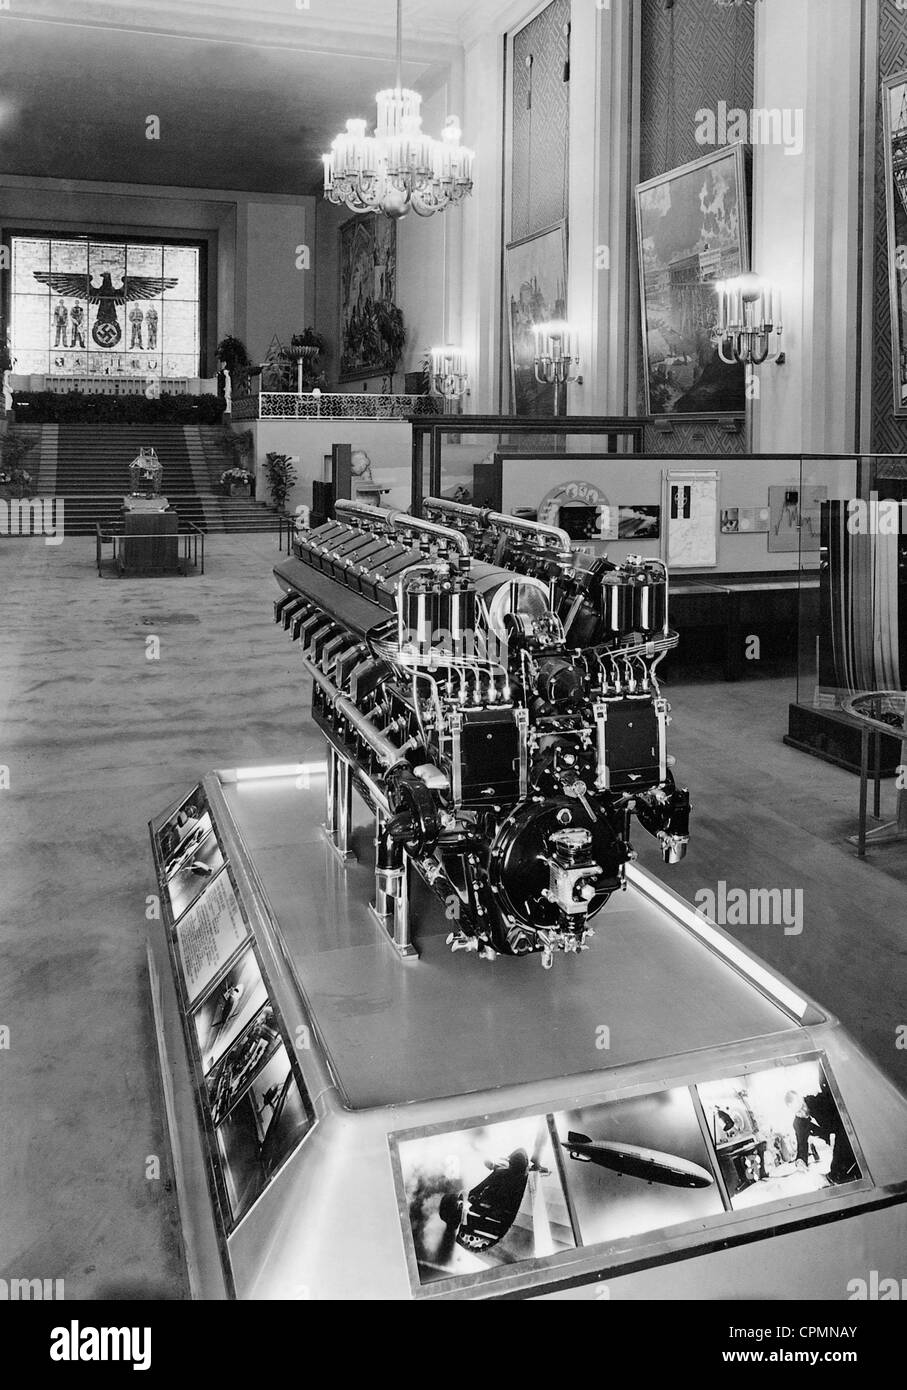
87,466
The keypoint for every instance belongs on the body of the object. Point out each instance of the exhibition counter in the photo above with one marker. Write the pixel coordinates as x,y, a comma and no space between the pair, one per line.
633,1123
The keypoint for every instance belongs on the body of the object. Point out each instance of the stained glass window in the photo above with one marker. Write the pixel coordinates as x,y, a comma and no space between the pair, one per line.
81,307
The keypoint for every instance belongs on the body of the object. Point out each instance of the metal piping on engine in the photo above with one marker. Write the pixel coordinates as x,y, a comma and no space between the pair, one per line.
401,521
385,751
535,529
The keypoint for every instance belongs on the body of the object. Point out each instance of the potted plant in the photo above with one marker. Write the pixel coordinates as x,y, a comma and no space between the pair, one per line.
16,482
308,347
237,482
281,476
392,334
13,476
232,352
233,357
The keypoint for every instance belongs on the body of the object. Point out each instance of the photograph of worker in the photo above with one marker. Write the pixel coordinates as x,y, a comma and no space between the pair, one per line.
484,1198
636,1165
229,1006
261,1131
778,1133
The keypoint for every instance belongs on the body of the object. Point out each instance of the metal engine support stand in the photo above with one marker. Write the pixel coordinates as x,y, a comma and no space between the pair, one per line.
391,905
339,806
330,783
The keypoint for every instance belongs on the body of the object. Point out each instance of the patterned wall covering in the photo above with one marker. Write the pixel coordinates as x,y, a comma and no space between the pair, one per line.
693,437
889,433
693,56
540,129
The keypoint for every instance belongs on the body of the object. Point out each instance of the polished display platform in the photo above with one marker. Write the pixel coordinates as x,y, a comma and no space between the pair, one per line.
627,1108
449,1024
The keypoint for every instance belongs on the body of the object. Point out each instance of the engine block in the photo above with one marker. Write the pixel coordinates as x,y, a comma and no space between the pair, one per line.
498,709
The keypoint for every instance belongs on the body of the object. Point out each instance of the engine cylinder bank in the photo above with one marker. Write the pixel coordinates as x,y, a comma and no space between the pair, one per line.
497,706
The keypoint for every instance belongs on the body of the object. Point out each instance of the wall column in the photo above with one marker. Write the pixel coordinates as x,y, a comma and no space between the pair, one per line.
806,222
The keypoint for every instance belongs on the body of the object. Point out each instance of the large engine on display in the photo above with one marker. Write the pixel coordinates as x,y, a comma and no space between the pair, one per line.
497,707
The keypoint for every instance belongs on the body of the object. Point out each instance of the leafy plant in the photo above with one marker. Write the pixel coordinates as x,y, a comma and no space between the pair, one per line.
235,477
13,448
282,478
392,332
232,352
239,444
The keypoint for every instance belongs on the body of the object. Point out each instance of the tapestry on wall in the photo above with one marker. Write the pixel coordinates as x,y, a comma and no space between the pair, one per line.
692,232
368,288
894,109
536,293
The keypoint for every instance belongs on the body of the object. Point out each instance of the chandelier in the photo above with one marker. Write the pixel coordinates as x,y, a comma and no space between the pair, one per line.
400,166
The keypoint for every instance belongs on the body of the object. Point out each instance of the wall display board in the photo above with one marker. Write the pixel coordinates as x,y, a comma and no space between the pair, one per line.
477,1200
691,513
254,1109
742,516
85,306
757,515
795,519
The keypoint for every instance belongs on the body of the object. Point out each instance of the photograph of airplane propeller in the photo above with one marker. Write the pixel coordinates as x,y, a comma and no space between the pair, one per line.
485,1197
629,1160
489,1210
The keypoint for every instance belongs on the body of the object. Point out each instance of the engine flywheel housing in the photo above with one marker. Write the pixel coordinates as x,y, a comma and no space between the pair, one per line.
520,858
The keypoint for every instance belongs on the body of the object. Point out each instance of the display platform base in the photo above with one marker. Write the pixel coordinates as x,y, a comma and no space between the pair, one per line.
641,1121
834,737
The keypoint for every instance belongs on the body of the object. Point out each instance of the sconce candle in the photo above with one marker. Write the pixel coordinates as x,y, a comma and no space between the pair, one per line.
748,327
556,359
449,376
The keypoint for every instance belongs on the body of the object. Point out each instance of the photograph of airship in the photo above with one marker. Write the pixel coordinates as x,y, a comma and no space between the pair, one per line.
629,1160
636,1164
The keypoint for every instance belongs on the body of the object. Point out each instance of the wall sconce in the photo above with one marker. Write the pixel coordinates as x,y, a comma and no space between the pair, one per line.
749,321
556,360
449,377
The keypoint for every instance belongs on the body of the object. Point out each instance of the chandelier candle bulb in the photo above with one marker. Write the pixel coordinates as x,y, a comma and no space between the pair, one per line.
748,320
399,168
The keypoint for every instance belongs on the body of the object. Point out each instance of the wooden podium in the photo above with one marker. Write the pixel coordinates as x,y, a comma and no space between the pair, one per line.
150,542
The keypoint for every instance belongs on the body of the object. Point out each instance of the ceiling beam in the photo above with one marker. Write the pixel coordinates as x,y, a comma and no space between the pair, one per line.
356,27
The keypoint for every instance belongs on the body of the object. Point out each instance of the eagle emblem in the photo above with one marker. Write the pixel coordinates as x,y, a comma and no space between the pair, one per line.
107,296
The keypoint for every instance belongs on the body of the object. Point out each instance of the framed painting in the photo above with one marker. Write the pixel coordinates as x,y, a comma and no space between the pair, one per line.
894,111
692,232
368,284
536,288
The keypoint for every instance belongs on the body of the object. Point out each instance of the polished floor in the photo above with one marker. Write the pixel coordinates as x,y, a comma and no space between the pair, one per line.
97,738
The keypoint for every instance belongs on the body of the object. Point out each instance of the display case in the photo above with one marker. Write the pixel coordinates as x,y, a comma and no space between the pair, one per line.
740,535
852,610
660,1117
